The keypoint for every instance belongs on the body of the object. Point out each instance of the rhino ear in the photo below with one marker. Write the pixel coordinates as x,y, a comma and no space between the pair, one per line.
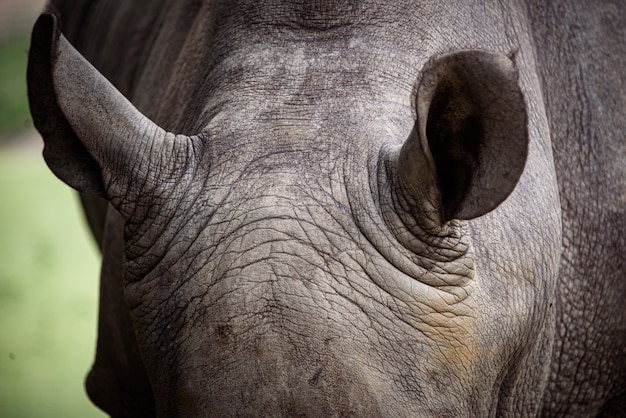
95,139
64,153
469,145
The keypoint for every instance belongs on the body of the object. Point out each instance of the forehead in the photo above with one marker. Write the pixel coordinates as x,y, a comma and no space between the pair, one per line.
257,61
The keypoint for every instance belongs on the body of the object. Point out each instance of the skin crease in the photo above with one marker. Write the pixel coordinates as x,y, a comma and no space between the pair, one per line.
280,271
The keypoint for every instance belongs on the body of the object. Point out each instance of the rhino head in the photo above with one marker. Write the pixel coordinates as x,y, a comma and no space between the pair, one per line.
334,269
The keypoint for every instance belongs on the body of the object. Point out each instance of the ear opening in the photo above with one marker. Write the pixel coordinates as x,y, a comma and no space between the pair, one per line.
472,128
455,135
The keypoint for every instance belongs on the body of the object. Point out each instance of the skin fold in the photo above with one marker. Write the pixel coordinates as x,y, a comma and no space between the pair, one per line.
345,208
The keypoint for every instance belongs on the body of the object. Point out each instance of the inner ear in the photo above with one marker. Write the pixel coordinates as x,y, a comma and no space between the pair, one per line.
472,121
455,133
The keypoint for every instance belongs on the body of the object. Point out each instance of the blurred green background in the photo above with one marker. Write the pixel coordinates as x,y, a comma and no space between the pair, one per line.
48,262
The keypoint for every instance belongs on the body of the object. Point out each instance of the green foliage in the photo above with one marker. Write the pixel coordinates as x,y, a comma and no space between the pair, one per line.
14,114
48,293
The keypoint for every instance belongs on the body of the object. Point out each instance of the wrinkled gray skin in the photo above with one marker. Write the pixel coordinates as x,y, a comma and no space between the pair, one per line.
340,227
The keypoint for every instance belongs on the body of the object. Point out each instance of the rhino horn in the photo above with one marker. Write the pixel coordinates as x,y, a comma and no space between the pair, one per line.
95,139
469,144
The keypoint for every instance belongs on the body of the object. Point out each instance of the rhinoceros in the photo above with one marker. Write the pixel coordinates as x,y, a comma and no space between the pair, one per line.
346,208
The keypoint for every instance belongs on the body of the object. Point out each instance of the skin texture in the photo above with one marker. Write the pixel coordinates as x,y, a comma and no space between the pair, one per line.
589,359
343,209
